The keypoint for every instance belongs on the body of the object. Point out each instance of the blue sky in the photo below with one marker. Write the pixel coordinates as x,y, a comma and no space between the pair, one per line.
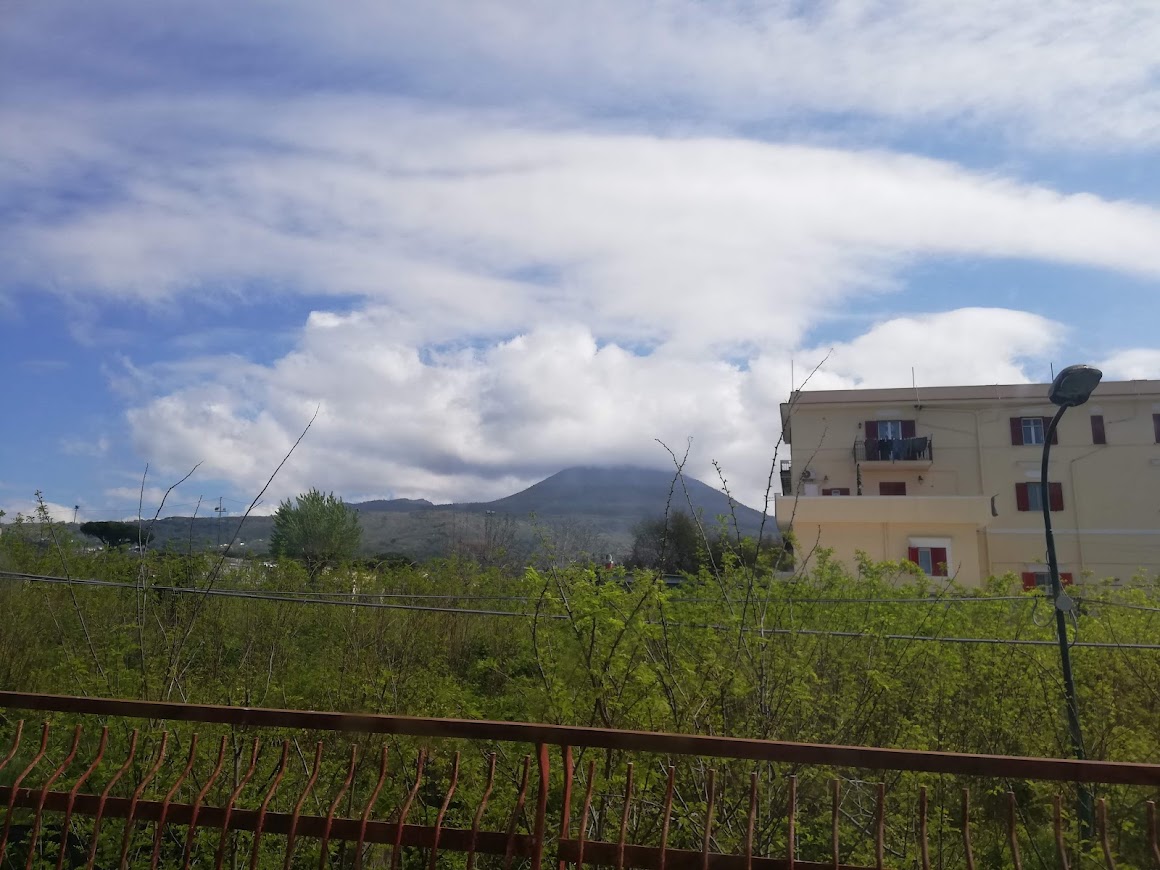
488,241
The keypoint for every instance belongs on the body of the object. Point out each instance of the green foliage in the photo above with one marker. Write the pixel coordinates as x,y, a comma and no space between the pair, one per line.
671,544
317,529
824,657
116,534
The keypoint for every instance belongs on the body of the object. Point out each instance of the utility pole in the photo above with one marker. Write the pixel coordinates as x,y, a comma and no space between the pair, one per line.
219,509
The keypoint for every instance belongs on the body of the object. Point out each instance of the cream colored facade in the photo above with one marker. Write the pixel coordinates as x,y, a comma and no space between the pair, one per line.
968,459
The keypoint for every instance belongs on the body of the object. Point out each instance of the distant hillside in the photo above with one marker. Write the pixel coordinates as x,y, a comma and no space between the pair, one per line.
395,505
593,509
626,492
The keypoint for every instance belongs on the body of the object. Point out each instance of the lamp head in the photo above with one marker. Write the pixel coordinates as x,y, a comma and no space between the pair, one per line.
1073,386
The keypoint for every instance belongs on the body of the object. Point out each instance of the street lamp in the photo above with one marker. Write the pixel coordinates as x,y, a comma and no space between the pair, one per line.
1071,388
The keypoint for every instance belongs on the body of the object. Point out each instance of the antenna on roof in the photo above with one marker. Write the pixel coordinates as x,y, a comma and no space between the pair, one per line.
791,380
914,384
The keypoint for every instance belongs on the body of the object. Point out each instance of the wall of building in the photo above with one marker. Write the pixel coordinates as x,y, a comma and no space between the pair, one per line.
1110,522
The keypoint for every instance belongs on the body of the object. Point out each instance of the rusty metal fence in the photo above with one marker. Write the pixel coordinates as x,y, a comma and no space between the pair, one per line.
414,792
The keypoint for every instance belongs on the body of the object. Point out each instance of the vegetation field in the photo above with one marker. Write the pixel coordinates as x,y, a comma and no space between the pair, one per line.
878,658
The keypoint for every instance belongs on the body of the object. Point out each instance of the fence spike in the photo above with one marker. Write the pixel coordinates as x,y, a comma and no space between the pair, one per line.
835,805
584,814
292,835
269,796
169,795
1102,821
509,850
72,753
968,854
74,791
105,796
475,822
624,818
791,813
15,744
324,851
406,808
191,834
880,829
752,821
711,790
126,836
443,811
923,840
539,824
1154,833
667,816
219,858
366,814
1013,831
566,811
16,786
1057,823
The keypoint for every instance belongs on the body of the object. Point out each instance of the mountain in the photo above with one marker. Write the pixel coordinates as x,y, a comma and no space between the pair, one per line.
394,505
627,492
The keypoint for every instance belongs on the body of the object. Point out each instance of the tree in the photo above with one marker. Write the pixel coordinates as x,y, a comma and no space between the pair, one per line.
115,534
670,544
318,529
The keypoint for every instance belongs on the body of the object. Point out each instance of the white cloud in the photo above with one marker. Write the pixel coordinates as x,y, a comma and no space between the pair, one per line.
1135,364
481,423
1060,72
465,226
82,446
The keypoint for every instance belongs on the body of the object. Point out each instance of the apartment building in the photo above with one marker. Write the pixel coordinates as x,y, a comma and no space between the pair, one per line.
949,477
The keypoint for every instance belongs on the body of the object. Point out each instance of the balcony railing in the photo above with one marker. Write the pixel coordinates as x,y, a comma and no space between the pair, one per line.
786,477
894,450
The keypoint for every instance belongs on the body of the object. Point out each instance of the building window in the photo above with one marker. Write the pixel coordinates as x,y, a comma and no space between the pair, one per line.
1156,427
1029,496
1030,430
1042,580
836,490
1098,436
932,560
892,487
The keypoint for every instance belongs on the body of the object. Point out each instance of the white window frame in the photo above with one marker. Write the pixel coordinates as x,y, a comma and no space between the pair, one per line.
929,544
1035,496
1033,427
889,430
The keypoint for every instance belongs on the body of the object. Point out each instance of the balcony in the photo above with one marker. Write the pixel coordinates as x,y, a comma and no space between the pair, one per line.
915,452
786,478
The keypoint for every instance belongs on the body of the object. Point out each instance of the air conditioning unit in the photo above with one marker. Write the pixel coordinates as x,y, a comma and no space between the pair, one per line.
807,474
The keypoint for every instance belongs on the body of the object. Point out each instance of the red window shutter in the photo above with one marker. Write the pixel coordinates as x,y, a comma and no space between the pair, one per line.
871,430
938,558
912,554
1098,436
1156,427
1022,501
891,487
908,429
1065,579
1054,435
1017,431
1028,580
1055,496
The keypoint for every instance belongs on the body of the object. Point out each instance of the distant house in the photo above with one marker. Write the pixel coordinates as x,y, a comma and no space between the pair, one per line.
949,478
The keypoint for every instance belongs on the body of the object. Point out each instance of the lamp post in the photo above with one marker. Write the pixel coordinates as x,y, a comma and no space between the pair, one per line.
1071,388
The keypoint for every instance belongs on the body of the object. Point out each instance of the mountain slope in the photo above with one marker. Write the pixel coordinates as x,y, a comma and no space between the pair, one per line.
626,493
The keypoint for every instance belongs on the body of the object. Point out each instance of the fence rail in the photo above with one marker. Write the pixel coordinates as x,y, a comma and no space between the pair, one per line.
526,836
